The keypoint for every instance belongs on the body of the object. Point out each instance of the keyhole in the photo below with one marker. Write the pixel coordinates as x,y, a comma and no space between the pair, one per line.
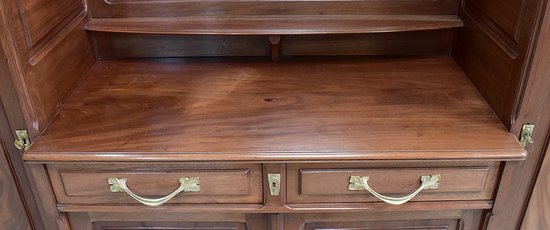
274,184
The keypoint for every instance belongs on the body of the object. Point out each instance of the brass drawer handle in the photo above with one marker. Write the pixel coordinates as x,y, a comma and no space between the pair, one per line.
187,184
361,183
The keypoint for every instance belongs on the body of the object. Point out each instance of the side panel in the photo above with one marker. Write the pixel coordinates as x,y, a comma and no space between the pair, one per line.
40,17
518,177
494,47
48,51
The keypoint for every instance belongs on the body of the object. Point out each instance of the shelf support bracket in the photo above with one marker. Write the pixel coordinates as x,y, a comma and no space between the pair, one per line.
275,41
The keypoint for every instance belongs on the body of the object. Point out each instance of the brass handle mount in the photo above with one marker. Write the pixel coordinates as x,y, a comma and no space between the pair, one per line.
187,184
361,183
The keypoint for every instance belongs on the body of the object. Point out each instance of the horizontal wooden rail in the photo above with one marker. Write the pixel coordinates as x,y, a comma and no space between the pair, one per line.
268,25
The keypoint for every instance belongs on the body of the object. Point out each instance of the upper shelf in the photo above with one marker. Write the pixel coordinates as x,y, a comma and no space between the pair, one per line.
282,25
407,108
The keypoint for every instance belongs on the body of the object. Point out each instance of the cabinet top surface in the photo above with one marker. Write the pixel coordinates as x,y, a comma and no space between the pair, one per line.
405,108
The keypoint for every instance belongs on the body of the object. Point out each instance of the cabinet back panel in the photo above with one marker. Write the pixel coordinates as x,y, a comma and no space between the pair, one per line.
431,42
121,45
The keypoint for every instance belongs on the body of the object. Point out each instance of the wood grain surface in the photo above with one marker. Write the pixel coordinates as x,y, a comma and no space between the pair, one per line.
123,45
164,220
307,183
266,25
40,17
13,213
176,109
537,214
177,8
518,178
219,184
495,49
444,219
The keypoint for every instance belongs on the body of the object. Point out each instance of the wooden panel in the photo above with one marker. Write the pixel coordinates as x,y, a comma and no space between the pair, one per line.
42,16
328,183
505,14
407,43
444,219
491,71
56,57
494,49
102,9
166,220
250,110
234,184
213,183
120,45
20,208
391,181
533,107
401,225
13,214
537,215
141,225
311,24
51,79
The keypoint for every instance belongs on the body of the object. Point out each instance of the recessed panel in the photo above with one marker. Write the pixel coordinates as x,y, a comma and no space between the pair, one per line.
42,16
504,14
237,184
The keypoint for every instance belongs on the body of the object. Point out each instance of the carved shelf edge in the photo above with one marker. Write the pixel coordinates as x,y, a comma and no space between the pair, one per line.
281,25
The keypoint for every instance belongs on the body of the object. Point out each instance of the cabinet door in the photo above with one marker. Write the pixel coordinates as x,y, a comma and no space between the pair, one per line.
137,225
401,225
401,220
12,214
167,221
17,207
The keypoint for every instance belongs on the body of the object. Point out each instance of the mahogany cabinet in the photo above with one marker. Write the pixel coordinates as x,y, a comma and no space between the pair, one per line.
275,114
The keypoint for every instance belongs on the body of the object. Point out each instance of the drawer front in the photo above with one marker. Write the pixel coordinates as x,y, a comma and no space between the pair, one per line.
324,183
218,184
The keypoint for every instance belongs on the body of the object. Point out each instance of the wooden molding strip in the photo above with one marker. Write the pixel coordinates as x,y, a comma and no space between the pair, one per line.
294,208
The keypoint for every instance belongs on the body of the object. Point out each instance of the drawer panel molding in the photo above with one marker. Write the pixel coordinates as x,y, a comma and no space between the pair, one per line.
217,185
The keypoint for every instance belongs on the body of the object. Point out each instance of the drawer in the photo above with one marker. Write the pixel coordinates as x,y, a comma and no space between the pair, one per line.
322,183
216,184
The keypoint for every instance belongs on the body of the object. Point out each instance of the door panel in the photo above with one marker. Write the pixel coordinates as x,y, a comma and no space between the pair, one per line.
167,221
405,220
380,225
13,214
138,225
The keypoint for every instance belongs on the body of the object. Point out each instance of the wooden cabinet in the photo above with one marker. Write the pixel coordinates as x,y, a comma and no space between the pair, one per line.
256,115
